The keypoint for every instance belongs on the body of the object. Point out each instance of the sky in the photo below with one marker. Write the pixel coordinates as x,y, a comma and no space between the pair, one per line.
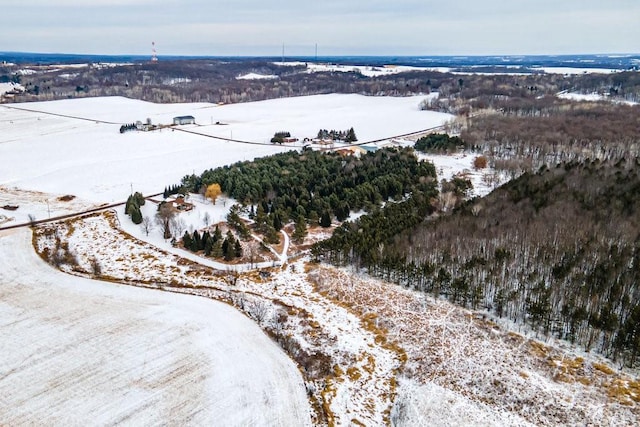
337,27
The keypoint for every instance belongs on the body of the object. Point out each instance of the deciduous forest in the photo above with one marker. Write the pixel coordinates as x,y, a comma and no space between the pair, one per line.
557,250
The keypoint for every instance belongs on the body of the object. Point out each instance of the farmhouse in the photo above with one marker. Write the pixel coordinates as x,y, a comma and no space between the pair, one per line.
184,120
351,151
179,203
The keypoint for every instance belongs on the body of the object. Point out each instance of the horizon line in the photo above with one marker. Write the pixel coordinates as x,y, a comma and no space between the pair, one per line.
460,55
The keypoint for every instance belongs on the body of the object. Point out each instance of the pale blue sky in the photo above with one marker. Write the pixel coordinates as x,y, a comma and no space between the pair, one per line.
339,27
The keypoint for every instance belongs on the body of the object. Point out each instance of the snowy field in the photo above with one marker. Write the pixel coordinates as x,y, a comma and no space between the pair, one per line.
42,148
8,87
76,350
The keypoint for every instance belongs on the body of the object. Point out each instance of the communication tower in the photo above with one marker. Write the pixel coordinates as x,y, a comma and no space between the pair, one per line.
154,56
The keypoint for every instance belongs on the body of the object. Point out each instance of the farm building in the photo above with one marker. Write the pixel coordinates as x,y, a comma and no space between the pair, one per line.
184,120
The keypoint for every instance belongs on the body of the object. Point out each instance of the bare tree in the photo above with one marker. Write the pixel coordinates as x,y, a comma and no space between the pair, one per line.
258,311
96,268
165,214
177,226
147,225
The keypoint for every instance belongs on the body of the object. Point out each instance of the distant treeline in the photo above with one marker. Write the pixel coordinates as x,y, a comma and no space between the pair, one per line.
216,81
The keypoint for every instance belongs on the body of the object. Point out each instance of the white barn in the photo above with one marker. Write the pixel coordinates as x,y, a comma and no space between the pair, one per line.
184,120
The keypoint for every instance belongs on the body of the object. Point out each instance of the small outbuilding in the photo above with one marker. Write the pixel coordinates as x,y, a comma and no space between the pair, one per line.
184,120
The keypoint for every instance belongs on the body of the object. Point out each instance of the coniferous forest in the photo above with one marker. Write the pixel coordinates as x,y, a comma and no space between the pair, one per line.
319,185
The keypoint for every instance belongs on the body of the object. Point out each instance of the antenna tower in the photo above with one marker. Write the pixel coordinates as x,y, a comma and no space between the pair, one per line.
154,56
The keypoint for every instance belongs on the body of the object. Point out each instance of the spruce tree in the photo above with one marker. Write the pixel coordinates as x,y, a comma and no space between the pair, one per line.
208,246
300,232
216,249
136,215
186,240
205,240
197,241
325,219
217,235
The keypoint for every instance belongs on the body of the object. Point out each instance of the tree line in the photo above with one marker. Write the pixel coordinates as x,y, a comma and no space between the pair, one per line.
213,244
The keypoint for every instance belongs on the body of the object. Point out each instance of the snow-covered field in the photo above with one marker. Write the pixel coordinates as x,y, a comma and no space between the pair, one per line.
8,87
43,151
376,71
78,351
348,366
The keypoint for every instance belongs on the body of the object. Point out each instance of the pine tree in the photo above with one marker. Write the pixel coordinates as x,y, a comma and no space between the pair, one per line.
136,215
272,236
205,240
300,231
260,218
351,136
325,219
237,249
208,246
186,240
216,249
217,235
277,221
197,241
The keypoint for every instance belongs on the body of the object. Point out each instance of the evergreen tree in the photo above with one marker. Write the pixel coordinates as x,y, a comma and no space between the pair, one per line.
260,218
351,136
186,240
217,235
136,215
204,240
325,219
228,246
300,231
277,221
197,241
272,236
237,249
216,251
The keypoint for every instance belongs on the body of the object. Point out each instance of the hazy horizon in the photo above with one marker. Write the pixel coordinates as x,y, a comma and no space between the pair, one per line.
338,28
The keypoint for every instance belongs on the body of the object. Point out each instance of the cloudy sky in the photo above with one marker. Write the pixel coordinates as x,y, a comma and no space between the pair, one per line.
338,27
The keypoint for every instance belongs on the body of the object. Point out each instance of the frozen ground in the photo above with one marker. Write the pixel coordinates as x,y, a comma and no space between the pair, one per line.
75,350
